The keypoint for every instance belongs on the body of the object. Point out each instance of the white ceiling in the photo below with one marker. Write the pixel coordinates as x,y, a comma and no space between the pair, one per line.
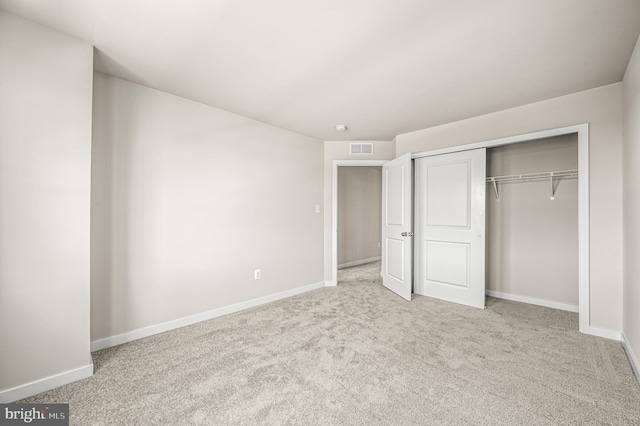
381,67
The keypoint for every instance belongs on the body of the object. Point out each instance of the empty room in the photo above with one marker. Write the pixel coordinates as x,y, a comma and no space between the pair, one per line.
339,212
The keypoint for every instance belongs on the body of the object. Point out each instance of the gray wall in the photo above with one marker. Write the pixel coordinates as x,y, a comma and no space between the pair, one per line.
602,109
631,173
45,158
187,201
532,242
359,213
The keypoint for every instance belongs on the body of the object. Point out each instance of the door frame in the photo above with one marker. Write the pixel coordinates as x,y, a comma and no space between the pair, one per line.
334,208
582,130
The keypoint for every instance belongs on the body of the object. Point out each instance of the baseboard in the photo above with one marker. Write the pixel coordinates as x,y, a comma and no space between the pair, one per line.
45,384
130,336
330,283
635,365
605,332
532,301
359,262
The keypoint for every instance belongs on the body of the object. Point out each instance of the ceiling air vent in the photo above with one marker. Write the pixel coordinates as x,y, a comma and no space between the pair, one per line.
361,148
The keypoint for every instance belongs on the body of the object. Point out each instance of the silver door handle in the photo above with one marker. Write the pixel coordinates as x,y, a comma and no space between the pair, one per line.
407,234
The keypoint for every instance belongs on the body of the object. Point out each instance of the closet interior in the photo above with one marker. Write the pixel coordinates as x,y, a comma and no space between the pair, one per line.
532,222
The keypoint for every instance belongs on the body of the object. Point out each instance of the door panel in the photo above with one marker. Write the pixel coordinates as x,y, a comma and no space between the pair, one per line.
448,194
443,261
397,247
395,258
450,228
395,194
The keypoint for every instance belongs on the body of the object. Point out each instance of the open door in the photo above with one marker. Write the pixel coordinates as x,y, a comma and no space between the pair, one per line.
450,227
397,244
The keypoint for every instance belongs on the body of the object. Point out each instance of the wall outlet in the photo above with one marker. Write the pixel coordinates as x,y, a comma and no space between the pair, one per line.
378,244
256,274
317,208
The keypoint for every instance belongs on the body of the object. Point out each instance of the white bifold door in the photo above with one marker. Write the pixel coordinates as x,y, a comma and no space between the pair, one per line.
450,227
397,208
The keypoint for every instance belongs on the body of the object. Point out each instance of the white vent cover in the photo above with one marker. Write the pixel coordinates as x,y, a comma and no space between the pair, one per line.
361,148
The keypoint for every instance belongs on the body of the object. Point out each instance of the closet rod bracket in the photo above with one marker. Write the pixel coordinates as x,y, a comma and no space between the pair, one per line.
495,188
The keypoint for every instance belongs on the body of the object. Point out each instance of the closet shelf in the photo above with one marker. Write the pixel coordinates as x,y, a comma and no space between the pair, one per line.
537,175
531,176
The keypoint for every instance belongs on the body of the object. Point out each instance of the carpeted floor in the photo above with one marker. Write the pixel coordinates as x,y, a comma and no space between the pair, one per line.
357,354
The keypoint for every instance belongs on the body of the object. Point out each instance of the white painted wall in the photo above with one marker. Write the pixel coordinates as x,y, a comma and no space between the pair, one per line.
532,241
631,174
188,201
45,158
602,109
339,150
359,213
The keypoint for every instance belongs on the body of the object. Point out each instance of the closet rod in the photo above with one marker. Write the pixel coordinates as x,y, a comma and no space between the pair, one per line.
531,176
538,175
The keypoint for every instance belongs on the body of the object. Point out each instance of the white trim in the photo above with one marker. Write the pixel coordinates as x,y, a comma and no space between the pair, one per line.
330,283
359,262
583,203
533,301
506,141
635,365
584,298
334,207
42,385
130,336
605,332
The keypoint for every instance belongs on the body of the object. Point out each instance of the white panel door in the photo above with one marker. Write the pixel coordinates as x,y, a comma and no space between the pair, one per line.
450,227
397,209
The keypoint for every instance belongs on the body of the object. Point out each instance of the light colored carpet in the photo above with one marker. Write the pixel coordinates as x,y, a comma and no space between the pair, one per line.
357,354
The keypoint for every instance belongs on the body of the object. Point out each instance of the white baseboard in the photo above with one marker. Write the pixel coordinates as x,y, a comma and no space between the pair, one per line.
633,360
42,385
359,262
605,332
594,331
330,283
532,301
130,336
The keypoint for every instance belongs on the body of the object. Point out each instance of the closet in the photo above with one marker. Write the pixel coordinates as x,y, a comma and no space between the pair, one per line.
500,220
532,222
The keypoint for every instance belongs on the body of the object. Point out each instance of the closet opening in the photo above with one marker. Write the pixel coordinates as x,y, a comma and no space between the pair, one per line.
555,186
532,222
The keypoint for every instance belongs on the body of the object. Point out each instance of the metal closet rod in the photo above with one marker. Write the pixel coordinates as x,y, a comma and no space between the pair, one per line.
531,176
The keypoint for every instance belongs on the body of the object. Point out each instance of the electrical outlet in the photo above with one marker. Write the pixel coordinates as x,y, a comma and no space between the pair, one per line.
317,208
378,244
256,274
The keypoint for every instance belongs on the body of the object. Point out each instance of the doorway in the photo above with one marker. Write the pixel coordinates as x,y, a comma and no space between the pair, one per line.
337,165
359,215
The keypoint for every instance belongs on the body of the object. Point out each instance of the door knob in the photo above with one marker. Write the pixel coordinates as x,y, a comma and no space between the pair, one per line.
407,234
